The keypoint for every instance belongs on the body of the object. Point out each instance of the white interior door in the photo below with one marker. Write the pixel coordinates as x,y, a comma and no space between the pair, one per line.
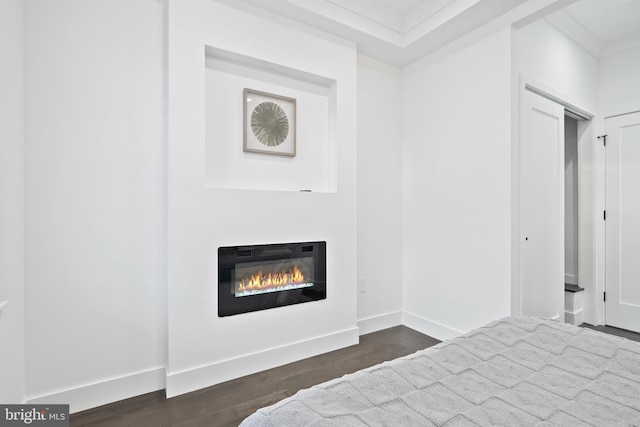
541,207
623,221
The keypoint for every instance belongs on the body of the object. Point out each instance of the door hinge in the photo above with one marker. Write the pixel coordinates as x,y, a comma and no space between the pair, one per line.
604,139
604,296
604,215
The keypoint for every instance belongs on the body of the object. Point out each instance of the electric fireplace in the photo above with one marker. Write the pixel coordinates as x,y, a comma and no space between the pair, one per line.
259,277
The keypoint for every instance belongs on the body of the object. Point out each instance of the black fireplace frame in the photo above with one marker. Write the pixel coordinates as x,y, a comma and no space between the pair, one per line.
231,256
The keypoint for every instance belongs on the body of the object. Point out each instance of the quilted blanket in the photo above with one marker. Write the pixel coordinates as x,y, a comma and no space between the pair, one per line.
517,371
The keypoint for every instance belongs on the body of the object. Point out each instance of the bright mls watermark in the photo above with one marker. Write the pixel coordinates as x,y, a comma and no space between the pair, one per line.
34,415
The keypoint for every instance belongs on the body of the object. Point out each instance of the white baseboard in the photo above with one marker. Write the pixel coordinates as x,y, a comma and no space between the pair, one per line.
116,389
429,327
205,376
380,322
104,392
575,318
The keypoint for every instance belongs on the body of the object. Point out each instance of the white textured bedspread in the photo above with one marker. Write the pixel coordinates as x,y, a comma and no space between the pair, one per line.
513,372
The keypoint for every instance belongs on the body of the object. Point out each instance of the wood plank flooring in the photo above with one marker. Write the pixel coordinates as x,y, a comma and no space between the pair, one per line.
227,404
633,336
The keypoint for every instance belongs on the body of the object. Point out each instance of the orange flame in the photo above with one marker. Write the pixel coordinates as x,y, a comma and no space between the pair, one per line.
261,281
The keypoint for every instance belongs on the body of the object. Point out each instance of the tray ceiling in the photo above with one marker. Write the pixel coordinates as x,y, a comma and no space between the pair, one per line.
401,31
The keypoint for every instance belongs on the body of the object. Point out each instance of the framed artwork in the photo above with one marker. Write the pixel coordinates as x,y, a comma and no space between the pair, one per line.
269,123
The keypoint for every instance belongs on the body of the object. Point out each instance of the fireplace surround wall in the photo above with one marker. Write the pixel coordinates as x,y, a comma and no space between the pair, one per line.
202,348
260,277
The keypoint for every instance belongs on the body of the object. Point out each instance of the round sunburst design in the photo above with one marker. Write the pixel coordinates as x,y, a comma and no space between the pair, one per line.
269,124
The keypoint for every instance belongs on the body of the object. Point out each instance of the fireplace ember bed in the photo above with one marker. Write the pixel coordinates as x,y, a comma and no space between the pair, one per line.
259,277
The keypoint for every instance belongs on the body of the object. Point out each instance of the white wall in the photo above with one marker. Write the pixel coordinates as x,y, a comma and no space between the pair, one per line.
456,197
95,282
203,348
542,53
379,195
619,88
12,356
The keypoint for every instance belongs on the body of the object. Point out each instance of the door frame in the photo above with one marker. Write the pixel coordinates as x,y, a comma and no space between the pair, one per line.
590,200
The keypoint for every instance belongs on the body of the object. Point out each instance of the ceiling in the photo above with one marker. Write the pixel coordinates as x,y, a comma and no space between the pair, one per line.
603,27
400,7
401,31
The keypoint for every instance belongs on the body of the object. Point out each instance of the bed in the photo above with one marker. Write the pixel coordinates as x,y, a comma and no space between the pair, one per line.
517,371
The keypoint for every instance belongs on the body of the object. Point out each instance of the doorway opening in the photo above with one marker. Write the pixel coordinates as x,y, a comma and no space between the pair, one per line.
573,292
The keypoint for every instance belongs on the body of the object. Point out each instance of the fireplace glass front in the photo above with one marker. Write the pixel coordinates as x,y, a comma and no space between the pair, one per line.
260,277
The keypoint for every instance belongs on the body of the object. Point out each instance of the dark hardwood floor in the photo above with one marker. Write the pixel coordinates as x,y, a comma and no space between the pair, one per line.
227,404
633,336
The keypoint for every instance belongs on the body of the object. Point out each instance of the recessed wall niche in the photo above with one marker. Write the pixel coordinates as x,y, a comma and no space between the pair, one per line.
227,166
